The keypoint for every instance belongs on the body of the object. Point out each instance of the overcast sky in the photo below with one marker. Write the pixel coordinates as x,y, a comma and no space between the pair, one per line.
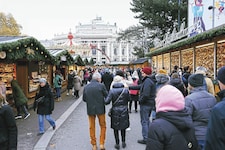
44,18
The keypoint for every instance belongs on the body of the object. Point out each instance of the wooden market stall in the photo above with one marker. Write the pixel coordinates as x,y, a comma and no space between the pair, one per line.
205,49
63,60
23,57
139,63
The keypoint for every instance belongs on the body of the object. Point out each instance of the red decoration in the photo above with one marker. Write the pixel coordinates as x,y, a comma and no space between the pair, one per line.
70,37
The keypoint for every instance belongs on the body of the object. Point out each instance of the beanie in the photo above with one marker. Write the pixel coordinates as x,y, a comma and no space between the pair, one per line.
196,80
147,70
42,80
221,75
169,98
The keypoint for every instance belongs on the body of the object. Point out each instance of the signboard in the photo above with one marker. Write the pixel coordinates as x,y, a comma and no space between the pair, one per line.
206,14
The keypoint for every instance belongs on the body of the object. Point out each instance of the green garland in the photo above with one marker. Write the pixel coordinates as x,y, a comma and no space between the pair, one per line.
207,35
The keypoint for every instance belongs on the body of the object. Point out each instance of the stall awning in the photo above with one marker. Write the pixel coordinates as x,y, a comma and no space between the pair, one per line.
61,56
139,61
78,60
14,48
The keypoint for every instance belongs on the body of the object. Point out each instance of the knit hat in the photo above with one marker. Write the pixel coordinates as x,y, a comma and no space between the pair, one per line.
169,98
162,76
196,80
42,80
147,70
221,75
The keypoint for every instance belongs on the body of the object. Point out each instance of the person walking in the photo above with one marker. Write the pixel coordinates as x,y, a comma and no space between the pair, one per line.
119,96
77,85
199,104
177,82
207,82
94,94
3,90
215,136
107,78
173,127
8,127
70,82
19,98
44,102
134,94
147,91
58,84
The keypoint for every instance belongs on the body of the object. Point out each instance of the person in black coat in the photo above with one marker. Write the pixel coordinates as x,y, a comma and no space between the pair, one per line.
8,128
173,127
94,94
70,82
44,102
176,81
119,96
107,78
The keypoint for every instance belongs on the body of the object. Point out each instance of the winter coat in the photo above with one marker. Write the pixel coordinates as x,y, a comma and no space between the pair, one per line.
56,81
70,82
18,95
147,90
46,106
120,116
107,79
177,82
77,83
199,104
94,94
215,136
8,128
166,131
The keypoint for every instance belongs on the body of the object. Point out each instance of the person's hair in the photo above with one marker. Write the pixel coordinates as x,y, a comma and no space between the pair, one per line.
96,76
2,100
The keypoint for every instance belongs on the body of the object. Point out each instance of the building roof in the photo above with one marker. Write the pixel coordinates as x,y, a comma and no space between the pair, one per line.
23,48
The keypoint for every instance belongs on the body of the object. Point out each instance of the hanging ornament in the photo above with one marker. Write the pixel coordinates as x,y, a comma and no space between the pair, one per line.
2,54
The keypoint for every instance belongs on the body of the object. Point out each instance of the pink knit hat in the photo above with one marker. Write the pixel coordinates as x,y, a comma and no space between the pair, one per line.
169,98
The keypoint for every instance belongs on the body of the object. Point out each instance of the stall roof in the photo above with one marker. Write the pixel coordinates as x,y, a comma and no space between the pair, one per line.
61,56
139,61
78,60
13,48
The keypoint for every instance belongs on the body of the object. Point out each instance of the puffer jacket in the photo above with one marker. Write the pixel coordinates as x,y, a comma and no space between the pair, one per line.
199,104
8,128
46,106
215,136
167,132
120,116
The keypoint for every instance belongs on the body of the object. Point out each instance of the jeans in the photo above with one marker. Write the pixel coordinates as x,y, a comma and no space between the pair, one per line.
201,144
23,108
145,114
58,92
41,122
102,123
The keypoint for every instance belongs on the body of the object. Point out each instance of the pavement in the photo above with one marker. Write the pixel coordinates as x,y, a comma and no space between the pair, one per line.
72,129
28,129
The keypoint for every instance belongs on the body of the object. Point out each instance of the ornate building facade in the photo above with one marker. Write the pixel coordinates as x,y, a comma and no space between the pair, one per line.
97,40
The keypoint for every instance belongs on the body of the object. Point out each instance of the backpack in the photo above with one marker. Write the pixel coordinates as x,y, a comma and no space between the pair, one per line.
60,81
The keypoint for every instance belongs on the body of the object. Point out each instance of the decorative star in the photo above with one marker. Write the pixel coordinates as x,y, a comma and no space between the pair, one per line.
30,51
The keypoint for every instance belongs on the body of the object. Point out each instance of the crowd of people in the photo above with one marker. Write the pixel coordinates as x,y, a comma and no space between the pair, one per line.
188,114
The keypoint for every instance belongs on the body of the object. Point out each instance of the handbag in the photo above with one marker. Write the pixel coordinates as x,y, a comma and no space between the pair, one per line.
40,99
110,110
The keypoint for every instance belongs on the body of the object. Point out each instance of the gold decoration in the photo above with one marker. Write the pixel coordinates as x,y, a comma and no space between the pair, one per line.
30,51
2,54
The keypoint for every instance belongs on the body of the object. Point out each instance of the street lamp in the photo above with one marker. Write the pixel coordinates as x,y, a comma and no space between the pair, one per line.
213,13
